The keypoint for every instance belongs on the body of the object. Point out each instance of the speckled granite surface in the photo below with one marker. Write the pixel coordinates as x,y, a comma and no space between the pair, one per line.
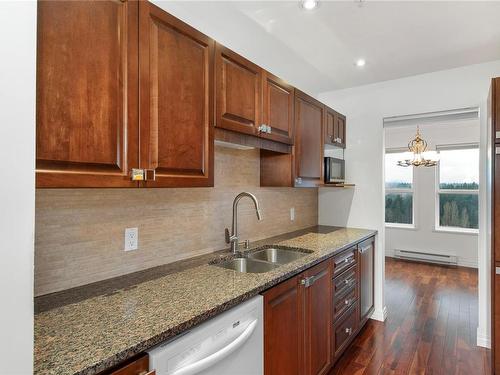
91,335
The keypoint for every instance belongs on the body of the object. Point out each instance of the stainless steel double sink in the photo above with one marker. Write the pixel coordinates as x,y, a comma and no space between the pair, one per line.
263,260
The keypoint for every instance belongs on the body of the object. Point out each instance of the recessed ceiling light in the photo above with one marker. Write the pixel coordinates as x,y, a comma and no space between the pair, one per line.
309,4
360,63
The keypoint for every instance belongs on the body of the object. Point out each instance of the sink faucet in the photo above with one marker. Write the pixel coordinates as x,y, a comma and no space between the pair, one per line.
233,238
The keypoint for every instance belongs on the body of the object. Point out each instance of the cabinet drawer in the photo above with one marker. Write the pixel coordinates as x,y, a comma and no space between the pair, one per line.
345,329
137,367
343,302
344,260
345,281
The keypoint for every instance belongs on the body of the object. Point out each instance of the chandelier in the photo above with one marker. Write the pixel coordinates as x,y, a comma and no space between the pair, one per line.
418,147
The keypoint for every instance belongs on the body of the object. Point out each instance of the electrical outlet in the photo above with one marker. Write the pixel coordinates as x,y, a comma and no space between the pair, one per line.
131,239
292,214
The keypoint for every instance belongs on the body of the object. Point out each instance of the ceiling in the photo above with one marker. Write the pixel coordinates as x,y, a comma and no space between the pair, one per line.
317,49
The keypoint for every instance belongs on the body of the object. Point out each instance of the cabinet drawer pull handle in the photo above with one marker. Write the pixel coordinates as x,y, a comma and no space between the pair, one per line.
348,260
138,174
308,281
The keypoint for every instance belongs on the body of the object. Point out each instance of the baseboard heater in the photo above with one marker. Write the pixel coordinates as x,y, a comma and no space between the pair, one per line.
418,256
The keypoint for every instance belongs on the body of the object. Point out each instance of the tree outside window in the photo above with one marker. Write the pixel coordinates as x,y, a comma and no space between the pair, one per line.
458,188
398,190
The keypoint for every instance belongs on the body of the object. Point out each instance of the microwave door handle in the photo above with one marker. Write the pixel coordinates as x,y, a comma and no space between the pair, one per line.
198,366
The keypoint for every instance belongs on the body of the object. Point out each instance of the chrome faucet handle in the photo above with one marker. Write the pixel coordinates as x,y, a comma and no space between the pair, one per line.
246,244
228,236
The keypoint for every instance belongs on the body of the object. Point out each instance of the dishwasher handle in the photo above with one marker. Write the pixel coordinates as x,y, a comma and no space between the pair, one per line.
202,364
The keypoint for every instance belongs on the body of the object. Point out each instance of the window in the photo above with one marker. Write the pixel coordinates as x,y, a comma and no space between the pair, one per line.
457,189
398,191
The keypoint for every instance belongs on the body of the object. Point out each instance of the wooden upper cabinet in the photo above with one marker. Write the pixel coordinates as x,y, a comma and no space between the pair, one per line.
340,130
283,331
309,119
176,100
278,108
318,318
330,126
238,92
334,128
87,125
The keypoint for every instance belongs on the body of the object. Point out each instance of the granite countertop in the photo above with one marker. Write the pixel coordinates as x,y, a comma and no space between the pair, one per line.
75,335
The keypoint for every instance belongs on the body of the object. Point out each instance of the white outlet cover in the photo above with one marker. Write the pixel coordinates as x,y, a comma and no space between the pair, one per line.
292,214
131,239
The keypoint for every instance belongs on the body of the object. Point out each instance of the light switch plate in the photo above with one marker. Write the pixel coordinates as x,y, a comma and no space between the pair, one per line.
131,239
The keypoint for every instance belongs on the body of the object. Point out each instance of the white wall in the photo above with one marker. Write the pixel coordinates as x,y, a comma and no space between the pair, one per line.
17,191
365,107
424,237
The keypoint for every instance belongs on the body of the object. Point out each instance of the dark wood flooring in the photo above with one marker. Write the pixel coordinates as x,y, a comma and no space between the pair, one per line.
430,327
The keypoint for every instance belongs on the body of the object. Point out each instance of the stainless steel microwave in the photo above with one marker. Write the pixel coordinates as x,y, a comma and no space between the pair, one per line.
334,170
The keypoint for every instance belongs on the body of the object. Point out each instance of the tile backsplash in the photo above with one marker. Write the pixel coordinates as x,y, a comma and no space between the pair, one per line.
79,233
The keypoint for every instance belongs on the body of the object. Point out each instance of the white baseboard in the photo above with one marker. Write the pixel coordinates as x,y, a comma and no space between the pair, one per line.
483,339
460,261
380,314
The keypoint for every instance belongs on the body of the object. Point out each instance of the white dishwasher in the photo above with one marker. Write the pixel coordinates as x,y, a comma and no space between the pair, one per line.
232,343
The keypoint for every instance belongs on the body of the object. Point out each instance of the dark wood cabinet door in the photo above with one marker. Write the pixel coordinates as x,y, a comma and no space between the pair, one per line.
344,331
309,119
330,126
494,110
176,100
495,319
340,130
87,125
496,205
238,92
283,329
366,279
278,108
318,318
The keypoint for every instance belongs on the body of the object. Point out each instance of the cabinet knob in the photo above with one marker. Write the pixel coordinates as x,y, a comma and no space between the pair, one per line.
348,331
347,302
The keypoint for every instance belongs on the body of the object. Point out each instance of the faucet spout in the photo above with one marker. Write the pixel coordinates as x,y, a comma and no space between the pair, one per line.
233,238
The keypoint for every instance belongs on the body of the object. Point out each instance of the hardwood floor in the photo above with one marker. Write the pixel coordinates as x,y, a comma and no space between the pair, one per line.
430,328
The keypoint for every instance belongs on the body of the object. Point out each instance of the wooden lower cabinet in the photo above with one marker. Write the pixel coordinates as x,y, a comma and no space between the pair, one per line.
317,318
283,320
297,321
139,366
310,319
366,262
344,330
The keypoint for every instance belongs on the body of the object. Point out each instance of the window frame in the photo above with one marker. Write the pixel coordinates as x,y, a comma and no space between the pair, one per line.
438,191
411,191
